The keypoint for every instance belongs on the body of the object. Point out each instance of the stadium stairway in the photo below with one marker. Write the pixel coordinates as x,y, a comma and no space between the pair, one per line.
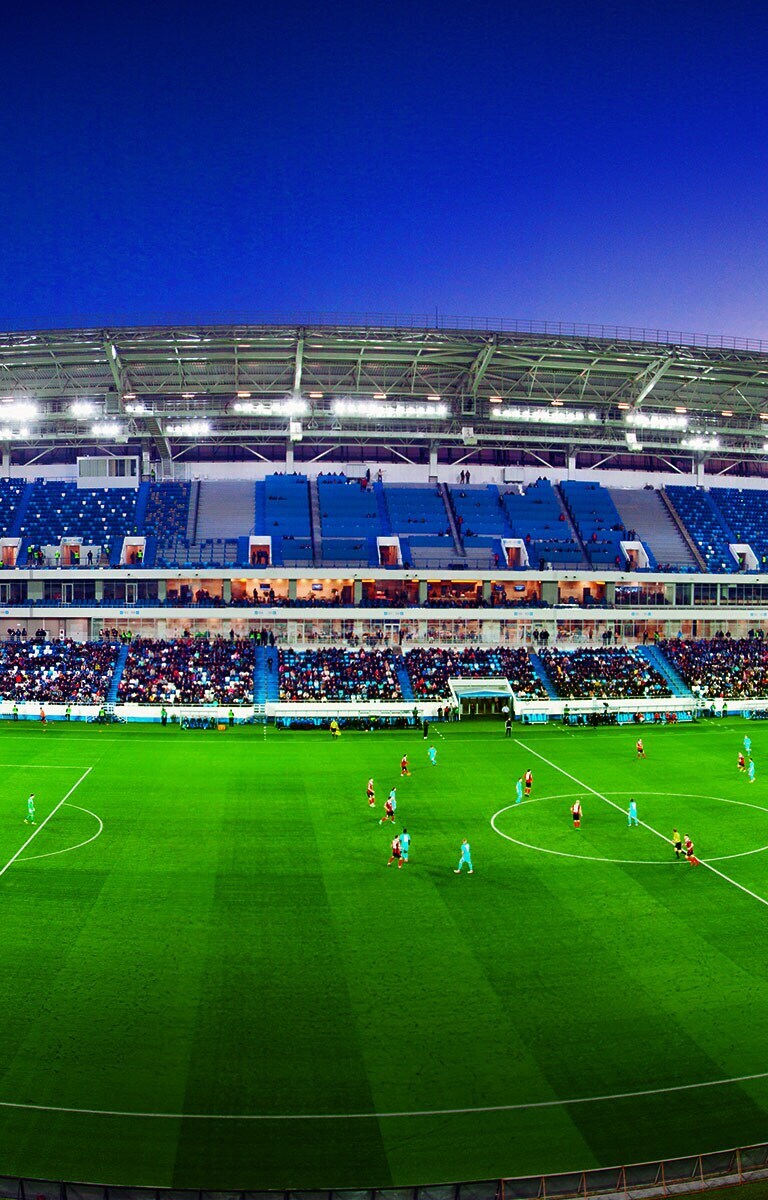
540,672
452,522
117,674
656,659
403,678
142,499
265,681
314,522
381,504
21,512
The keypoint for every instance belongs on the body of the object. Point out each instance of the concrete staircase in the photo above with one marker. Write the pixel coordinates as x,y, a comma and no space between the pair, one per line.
452,525
266,686
117,674
540,671
225,509
314,522
403,678
194,505
21,511
654,657
643,510
585,559
385,524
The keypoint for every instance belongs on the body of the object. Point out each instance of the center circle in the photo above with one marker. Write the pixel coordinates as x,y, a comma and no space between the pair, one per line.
641,862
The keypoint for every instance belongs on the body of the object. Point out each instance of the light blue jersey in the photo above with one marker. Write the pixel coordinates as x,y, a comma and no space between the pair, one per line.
466,857
632,812
751,771
405,842
519,791
432,755
747,743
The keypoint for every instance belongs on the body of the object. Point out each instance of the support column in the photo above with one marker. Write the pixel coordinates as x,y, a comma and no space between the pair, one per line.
422,591
571,465
291,589
98,590
6,460
226,592
610,592
432,463
486,589
162,590
549,591
357,591
289,459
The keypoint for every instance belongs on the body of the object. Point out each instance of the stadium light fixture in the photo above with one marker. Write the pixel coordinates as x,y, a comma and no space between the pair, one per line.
290,407
680,409
137,410
108,429
188,429
82,408
649,420
557,403
379,410
544,416
129,395
434,399
8,434
632,440
315,395
243,395
379,395
21,410
700,443
188,395
495,400
764,416
726,413
624,407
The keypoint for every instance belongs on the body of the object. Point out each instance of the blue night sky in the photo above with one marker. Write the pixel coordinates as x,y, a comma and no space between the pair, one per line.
577,162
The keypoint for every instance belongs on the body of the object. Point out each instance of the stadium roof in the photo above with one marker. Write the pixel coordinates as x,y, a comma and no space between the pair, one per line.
604,396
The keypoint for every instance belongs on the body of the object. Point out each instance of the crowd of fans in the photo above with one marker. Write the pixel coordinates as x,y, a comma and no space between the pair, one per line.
430,669
722,667
333,674
190,671
60,672
610,674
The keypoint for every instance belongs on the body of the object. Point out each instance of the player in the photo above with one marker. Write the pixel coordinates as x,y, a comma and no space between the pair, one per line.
640,748
396,855
576,814
30,817
688,845
528,781
466,857
405,845
432,752
677,843
747,744
334,727
740,762
404,765
390,807
632,813
519,791
751,770
371,793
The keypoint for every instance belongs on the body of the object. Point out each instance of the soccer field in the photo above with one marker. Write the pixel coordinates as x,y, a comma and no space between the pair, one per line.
211,979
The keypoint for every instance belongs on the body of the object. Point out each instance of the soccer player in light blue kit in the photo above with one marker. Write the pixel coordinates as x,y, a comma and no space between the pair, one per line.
405,845
432,755
466,857
747,745
751,771
30,817
632,813
519,791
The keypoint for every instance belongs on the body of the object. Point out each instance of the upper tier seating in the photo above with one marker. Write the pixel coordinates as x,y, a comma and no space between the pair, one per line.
193,671
335,674
705,525
349,521
100,516
597,520
63,672
430,669
479,511
282,507
610,674
745,513
416,509
10,494
538,518
722,667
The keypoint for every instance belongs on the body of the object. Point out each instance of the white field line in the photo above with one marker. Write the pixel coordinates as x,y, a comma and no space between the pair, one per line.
66,850
600,796
43,824
367,1116
40,766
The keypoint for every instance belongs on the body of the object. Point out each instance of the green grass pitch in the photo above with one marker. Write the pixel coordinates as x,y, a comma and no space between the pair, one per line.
226,987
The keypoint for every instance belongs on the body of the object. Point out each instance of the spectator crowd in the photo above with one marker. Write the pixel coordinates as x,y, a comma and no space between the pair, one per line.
723,667
60,672
335,674
190,671
430,669
611,674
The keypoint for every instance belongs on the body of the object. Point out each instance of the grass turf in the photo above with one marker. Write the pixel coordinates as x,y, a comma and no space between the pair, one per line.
232,945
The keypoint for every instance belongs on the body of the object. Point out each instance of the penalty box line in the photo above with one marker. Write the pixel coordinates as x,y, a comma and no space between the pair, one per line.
587,787
43,823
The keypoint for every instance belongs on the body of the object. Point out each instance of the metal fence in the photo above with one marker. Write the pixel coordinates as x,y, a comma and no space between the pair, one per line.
667,1177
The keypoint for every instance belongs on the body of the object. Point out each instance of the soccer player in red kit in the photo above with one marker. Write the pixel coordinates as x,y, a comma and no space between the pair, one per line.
640,748
371,793
688,847
528,781
741,763
404,765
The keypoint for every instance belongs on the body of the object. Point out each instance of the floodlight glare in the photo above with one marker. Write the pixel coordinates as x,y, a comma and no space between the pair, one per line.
379,410
188,429
542,416
82,408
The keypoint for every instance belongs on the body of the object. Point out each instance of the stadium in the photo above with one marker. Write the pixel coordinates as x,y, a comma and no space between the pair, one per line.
248,569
